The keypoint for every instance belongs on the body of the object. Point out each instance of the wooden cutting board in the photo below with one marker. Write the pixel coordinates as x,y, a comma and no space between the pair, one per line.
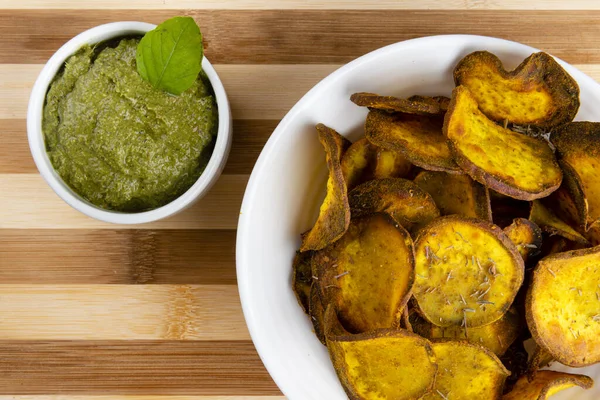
90,309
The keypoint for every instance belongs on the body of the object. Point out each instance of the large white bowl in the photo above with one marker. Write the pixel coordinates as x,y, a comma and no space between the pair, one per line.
37,144
288,183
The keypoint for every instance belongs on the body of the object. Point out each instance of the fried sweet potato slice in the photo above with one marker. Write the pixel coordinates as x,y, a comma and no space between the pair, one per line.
368,273
513,164
526,235
466,371
334,215
568,201
417,106
549,222
497,336
317,313
363,161
538,92
456,194
390,164
563,306
441,101
545,384
407,203
418,138
302,277
578,146
539,359
468,272
383,364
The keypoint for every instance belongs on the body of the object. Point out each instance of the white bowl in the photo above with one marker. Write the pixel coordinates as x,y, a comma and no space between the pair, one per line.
38,148
288,183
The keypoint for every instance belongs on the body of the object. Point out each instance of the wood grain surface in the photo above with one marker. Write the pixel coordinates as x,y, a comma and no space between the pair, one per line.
90,310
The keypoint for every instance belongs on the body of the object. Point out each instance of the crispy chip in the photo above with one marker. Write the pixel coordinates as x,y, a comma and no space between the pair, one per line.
541,358
466,371
302,277
391,164
549,222
568,201
418,106
578,146
383,364
468,272
407,203
334,215
563,306
358,162
497,336
317,313
538,92
526,235
418,138
367,273
513,164
456,194
545,384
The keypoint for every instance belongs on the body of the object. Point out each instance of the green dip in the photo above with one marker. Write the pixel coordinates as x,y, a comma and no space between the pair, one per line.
117,141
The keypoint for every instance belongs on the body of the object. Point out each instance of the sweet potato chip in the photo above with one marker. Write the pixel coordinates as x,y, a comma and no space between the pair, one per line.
456,194
302,277
441,101
526,235
466,371
383,364
513,164
368,273
317,313
358,163
390,164
418,138
334,215
407,203
539,359
417,106
568,201
549,222
538,92
468,272
545,384
578,146
363,161
563,306
497,336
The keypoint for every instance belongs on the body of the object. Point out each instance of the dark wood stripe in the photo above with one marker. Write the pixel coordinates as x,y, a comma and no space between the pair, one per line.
249,137
309,36
30,256
126,367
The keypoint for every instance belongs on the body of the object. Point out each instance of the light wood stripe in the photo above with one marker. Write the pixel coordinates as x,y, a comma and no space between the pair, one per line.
27,202
249,137
116,312
309,36
254,91
309,4
134,397
29,256
212,368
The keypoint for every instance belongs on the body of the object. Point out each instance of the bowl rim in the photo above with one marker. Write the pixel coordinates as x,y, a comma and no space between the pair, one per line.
243,265
37,146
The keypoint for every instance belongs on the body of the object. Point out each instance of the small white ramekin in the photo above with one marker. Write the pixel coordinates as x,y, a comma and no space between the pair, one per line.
38,147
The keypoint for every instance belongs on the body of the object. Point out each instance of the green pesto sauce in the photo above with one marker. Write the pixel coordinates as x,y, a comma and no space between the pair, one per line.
117,141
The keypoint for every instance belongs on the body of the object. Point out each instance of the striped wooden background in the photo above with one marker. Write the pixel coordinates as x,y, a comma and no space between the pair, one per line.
91,309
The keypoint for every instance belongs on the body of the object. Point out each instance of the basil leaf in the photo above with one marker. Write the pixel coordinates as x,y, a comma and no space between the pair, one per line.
170,56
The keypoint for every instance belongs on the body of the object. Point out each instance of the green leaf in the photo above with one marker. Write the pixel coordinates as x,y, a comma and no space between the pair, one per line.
170,56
